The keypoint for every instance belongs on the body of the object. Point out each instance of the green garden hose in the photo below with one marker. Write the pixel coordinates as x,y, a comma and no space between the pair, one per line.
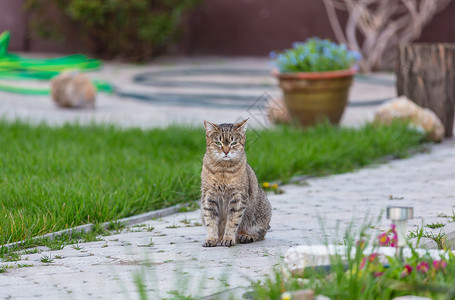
14,67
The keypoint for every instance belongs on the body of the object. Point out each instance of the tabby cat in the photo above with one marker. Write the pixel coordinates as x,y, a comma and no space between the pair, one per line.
233,206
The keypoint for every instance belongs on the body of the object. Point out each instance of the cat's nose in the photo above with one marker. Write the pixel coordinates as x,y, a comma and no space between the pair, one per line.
226,152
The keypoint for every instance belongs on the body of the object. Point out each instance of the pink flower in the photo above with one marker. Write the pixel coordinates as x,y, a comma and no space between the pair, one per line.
371,259
377,274
423,267
384,239
407,270
394,241
373,256
439,264
362,264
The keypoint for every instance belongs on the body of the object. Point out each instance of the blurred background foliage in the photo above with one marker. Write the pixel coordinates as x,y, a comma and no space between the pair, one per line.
133,30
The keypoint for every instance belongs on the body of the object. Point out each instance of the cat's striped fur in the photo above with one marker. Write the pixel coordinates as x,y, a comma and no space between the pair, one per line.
233,206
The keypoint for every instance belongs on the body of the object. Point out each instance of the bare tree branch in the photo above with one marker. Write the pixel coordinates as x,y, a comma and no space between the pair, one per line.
382,24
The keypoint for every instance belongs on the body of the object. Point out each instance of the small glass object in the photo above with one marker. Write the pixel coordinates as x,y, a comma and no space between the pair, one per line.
400,216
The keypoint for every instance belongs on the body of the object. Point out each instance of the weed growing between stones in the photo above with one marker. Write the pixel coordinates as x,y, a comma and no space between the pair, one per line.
450,218
47,259
435,225
420,232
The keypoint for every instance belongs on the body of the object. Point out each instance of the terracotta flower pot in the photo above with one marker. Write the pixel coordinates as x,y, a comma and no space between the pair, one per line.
316,96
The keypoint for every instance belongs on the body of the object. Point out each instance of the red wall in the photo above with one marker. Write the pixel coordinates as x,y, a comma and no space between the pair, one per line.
13,19
255,27
223,27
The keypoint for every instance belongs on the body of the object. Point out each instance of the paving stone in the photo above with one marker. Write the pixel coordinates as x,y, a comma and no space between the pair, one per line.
449,230
424,243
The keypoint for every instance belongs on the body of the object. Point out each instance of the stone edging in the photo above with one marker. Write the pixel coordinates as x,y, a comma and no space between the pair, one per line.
127,221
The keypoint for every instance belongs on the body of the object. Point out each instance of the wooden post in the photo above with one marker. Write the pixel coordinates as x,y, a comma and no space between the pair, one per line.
426,75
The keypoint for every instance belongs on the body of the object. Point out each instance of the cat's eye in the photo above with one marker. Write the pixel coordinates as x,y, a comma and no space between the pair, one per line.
218,143
233,143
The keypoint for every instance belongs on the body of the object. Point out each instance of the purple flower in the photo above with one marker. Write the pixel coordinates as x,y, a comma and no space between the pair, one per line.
272,54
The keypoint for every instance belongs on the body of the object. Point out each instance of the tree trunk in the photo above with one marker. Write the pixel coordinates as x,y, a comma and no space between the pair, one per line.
426,75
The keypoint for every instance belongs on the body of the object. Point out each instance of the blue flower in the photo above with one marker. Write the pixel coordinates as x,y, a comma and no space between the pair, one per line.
293,59
357,56
315,55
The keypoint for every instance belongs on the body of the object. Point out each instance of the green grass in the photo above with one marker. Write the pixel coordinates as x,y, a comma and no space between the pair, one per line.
57,178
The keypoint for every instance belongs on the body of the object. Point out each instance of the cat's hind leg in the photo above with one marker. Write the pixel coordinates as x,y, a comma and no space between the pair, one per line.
245,238
251,235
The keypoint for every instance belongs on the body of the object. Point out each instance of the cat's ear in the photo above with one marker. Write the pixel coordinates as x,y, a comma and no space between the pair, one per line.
209,127
241,126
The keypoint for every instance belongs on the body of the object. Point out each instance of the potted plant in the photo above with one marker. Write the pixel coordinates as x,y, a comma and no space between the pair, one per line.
315,77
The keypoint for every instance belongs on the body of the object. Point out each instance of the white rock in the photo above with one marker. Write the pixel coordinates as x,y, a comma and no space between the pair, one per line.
277,111
321,297
404,109
73,90
410,297
449,230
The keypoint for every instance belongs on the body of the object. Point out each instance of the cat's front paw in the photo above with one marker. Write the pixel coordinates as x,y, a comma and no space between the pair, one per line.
227,242
209,243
